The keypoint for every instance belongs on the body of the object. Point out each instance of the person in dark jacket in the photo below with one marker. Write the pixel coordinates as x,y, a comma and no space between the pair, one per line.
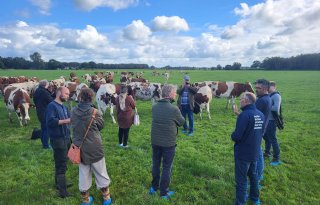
41,99
247,137
166,118
263,104
92,154
186,104
125,115
57,120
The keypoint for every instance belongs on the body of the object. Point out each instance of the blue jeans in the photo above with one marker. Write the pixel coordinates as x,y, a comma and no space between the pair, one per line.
270,138
185,110
260,164
166,154
243,170
44,135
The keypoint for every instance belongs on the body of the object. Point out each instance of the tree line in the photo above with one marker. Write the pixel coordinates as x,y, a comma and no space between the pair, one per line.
300,62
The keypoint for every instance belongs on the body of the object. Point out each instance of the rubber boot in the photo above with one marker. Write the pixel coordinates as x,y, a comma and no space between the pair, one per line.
106,196
62,187
86,198
69,184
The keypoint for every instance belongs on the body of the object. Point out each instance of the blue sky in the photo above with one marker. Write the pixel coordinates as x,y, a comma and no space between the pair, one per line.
177,33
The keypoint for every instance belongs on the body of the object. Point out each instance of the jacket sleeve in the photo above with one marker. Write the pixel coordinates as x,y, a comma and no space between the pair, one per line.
52,117
132,103
99,120
179,118
193,90
48,97
241,126
276,99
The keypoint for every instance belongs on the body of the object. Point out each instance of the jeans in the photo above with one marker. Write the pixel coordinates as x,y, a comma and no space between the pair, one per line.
166,154
60,148
270,138
243,170
185,110
44,135
260,164
123,135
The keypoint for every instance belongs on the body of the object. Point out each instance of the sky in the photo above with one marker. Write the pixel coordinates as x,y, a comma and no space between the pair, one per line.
160,32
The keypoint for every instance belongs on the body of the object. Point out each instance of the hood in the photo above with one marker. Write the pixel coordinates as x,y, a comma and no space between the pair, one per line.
83,111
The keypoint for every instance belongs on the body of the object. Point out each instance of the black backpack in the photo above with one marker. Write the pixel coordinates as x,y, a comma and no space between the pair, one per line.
278,117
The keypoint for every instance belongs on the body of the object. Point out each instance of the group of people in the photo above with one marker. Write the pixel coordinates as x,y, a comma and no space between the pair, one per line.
253,123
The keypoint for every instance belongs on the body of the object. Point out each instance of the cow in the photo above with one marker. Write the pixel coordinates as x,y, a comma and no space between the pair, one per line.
30,87
105,98
18,100
146,91
229,89
166,76
203,98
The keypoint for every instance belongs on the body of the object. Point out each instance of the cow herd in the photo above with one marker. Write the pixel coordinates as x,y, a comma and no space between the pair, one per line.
17,91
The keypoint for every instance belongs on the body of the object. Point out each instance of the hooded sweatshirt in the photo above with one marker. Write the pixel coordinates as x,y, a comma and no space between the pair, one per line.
91,149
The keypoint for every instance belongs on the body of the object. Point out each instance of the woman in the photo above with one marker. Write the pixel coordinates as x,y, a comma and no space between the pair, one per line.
92,155
125,115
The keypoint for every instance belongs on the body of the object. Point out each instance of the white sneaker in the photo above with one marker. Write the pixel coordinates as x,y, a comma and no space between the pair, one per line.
120,145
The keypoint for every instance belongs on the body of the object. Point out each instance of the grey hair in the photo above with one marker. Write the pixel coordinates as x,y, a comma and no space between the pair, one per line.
167,90
43,83
250,97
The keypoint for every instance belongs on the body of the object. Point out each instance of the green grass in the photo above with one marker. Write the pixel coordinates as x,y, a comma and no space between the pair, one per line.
203,170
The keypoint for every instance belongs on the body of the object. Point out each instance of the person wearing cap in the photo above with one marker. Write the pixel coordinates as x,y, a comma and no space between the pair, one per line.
125,115
186,104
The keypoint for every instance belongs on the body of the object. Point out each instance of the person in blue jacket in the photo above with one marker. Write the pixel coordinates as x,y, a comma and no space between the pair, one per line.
58,120
247,137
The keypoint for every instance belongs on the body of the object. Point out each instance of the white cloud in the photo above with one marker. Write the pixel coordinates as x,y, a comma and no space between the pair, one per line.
172,23
88,5
43,5
272,28
137,31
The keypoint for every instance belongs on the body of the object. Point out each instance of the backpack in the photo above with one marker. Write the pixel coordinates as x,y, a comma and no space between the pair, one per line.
278,117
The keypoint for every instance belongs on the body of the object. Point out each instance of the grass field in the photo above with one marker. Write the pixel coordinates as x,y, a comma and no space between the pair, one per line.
203,170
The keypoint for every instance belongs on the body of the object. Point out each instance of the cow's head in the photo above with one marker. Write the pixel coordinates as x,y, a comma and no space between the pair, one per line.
249,87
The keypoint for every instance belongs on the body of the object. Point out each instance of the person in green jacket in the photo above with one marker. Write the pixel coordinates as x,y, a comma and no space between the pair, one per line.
166,118
92,154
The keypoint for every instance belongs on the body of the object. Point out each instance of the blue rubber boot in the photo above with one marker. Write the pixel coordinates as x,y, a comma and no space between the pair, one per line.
107,202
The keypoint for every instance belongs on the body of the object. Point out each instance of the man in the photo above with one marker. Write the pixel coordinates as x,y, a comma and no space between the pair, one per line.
58,120
165,120
270,136
186,104
41,99
263,104
247,137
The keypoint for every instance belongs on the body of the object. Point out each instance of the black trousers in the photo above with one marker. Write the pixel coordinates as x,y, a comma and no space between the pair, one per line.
123,135
60,148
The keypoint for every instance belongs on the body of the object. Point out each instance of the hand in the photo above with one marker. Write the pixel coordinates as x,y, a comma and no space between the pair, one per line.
235,109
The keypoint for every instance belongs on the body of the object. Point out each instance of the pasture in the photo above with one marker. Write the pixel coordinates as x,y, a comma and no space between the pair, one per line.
203,169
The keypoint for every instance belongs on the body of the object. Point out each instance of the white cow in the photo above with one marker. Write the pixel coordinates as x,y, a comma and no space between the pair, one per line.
105,98
203,97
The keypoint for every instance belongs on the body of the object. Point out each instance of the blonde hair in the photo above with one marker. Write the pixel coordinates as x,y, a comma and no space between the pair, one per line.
122,101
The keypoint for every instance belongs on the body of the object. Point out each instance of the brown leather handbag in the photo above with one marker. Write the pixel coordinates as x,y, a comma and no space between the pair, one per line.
74,151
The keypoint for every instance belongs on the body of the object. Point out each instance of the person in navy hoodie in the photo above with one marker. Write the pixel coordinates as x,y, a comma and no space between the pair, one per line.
247,137
263,104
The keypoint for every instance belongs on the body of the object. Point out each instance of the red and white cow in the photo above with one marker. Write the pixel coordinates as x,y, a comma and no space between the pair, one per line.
229,89
105,98
203,97
18,100
30,87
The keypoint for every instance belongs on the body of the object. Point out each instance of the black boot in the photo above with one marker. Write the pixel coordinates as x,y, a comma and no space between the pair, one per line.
62,187
69,184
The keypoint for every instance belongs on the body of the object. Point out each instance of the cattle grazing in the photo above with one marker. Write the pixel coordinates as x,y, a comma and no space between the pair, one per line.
105,98
230,90
18,100
203,98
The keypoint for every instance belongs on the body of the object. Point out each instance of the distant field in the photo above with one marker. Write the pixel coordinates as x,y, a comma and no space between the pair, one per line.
203,170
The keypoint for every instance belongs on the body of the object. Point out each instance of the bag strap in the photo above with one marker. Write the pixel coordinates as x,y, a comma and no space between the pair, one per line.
136,110
92,118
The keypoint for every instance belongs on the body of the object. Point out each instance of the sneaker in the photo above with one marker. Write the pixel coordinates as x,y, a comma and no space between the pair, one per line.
190,134
185,131
107,202
90,201
168,196
152,191
127,146
257,202
120,145
275,162
266,155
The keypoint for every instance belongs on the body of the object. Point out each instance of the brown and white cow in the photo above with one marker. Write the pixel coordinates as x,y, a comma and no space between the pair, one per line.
203,98
105,98
17,100
30,87
229,89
